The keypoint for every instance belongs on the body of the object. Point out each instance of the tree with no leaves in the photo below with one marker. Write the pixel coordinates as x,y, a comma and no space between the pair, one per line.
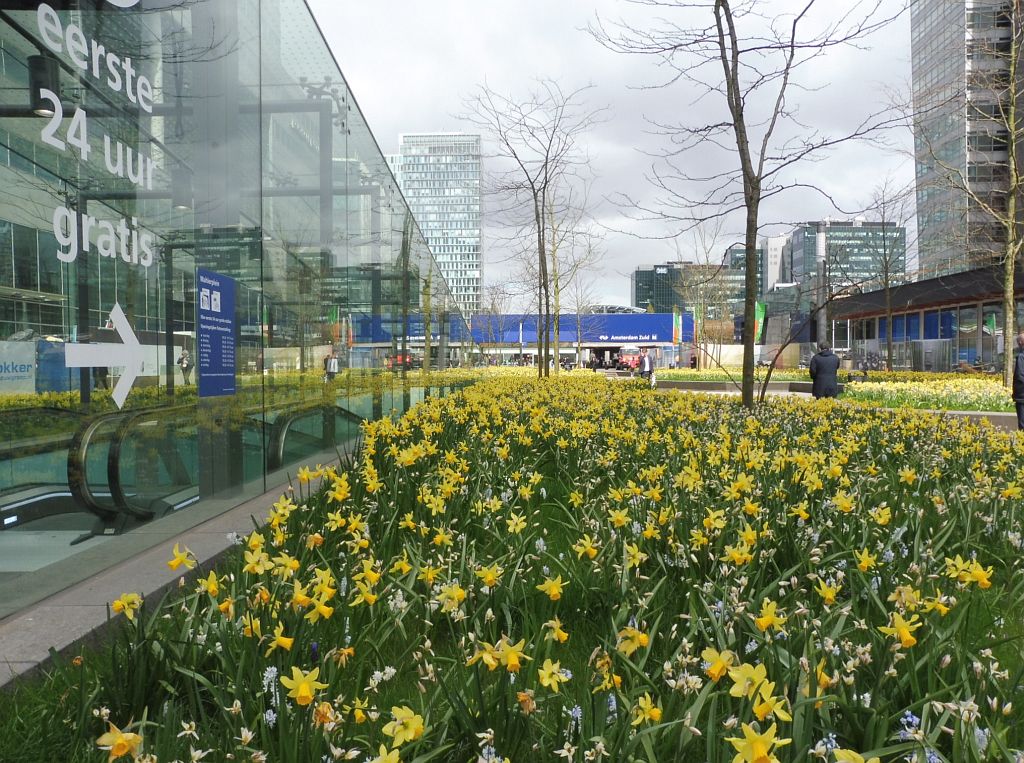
539,154
747,55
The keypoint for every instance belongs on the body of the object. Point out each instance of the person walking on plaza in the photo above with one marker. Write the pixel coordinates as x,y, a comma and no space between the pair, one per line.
824,370
186,364
646,364
1018,381
331,366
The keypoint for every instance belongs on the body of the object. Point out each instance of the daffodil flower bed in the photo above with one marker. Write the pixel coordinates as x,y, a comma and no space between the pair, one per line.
586,570
963,394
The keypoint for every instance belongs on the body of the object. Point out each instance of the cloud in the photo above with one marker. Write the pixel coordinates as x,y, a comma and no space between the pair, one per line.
411,65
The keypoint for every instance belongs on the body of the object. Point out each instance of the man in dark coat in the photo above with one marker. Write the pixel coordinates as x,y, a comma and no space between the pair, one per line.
824,370
1018,381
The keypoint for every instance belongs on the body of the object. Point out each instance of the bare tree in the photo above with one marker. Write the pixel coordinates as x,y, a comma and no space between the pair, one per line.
988,180
893,205
538,137
744,53
580,299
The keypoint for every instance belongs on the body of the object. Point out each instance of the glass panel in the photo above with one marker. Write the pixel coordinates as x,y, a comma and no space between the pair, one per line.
992,341
913,327
232,212
931,324
967,351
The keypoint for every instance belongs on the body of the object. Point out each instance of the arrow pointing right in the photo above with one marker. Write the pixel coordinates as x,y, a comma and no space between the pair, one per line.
128,356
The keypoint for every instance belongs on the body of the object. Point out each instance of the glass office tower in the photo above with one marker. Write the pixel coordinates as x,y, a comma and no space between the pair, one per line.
205,264
439,174
960,54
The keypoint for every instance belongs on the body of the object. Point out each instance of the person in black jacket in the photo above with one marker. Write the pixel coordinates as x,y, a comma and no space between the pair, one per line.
824,370
1018,381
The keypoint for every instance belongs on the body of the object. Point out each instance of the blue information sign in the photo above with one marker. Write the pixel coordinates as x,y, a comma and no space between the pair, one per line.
215,338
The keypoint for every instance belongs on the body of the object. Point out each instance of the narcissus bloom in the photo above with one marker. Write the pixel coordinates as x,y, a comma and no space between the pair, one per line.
119,743
585,545
489,575
384,756
407,726
185,558
645,711
631,639
849,756
769,617
303,686
551,675
902,629
552,587
757,748
556,631
279,640
129,604
827,592
717,663
865,560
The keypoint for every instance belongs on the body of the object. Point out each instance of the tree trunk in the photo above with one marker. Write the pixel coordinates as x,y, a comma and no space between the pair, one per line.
888,322
750,298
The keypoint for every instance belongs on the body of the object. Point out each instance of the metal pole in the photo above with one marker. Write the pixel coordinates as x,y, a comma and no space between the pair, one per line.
822,287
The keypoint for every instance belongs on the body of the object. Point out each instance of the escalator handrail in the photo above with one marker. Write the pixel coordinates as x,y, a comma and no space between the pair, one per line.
78,478
114,454
281,425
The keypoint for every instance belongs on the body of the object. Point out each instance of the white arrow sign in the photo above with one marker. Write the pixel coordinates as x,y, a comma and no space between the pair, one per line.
128,356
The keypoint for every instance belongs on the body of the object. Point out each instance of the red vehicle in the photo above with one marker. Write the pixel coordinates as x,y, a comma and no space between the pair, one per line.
629,358
400,361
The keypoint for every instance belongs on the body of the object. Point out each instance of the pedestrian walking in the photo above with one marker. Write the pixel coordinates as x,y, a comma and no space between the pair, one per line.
824,371
646,364
1018,381
331,366
185,364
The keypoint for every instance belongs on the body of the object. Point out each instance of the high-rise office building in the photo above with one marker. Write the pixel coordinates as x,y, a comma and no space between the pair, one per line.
959,50
857,253
439,174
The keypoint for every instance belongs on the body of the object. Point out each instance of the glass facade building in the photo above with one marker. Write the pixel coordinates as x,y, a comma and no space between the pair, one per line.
857,253
439,174
205,267
959,51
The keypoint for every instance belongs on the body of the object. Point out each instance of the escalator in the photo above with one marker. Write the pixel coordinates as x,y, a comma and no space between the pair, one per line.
80,476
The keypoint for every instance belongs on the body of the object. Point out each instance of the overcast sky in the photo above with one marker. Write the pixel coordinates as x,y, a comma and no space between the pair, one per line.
411,65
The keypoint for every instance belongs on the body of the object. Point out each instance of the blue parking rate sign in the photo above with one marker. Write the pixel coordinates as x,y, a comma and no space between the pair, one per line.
215,334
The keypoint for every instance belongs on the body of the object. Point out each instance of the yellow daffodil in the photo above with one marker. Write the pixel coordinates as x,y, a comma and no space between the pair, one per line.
865,560
303,686
769,617
407,726
385,756
119,743
585,546
645,711
511,655
755,747
902,629
849,756
746,679
185,558
556,631
516,523
827,592
717,663
128,604
490,575
551,675
630,639
279,640
552,587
